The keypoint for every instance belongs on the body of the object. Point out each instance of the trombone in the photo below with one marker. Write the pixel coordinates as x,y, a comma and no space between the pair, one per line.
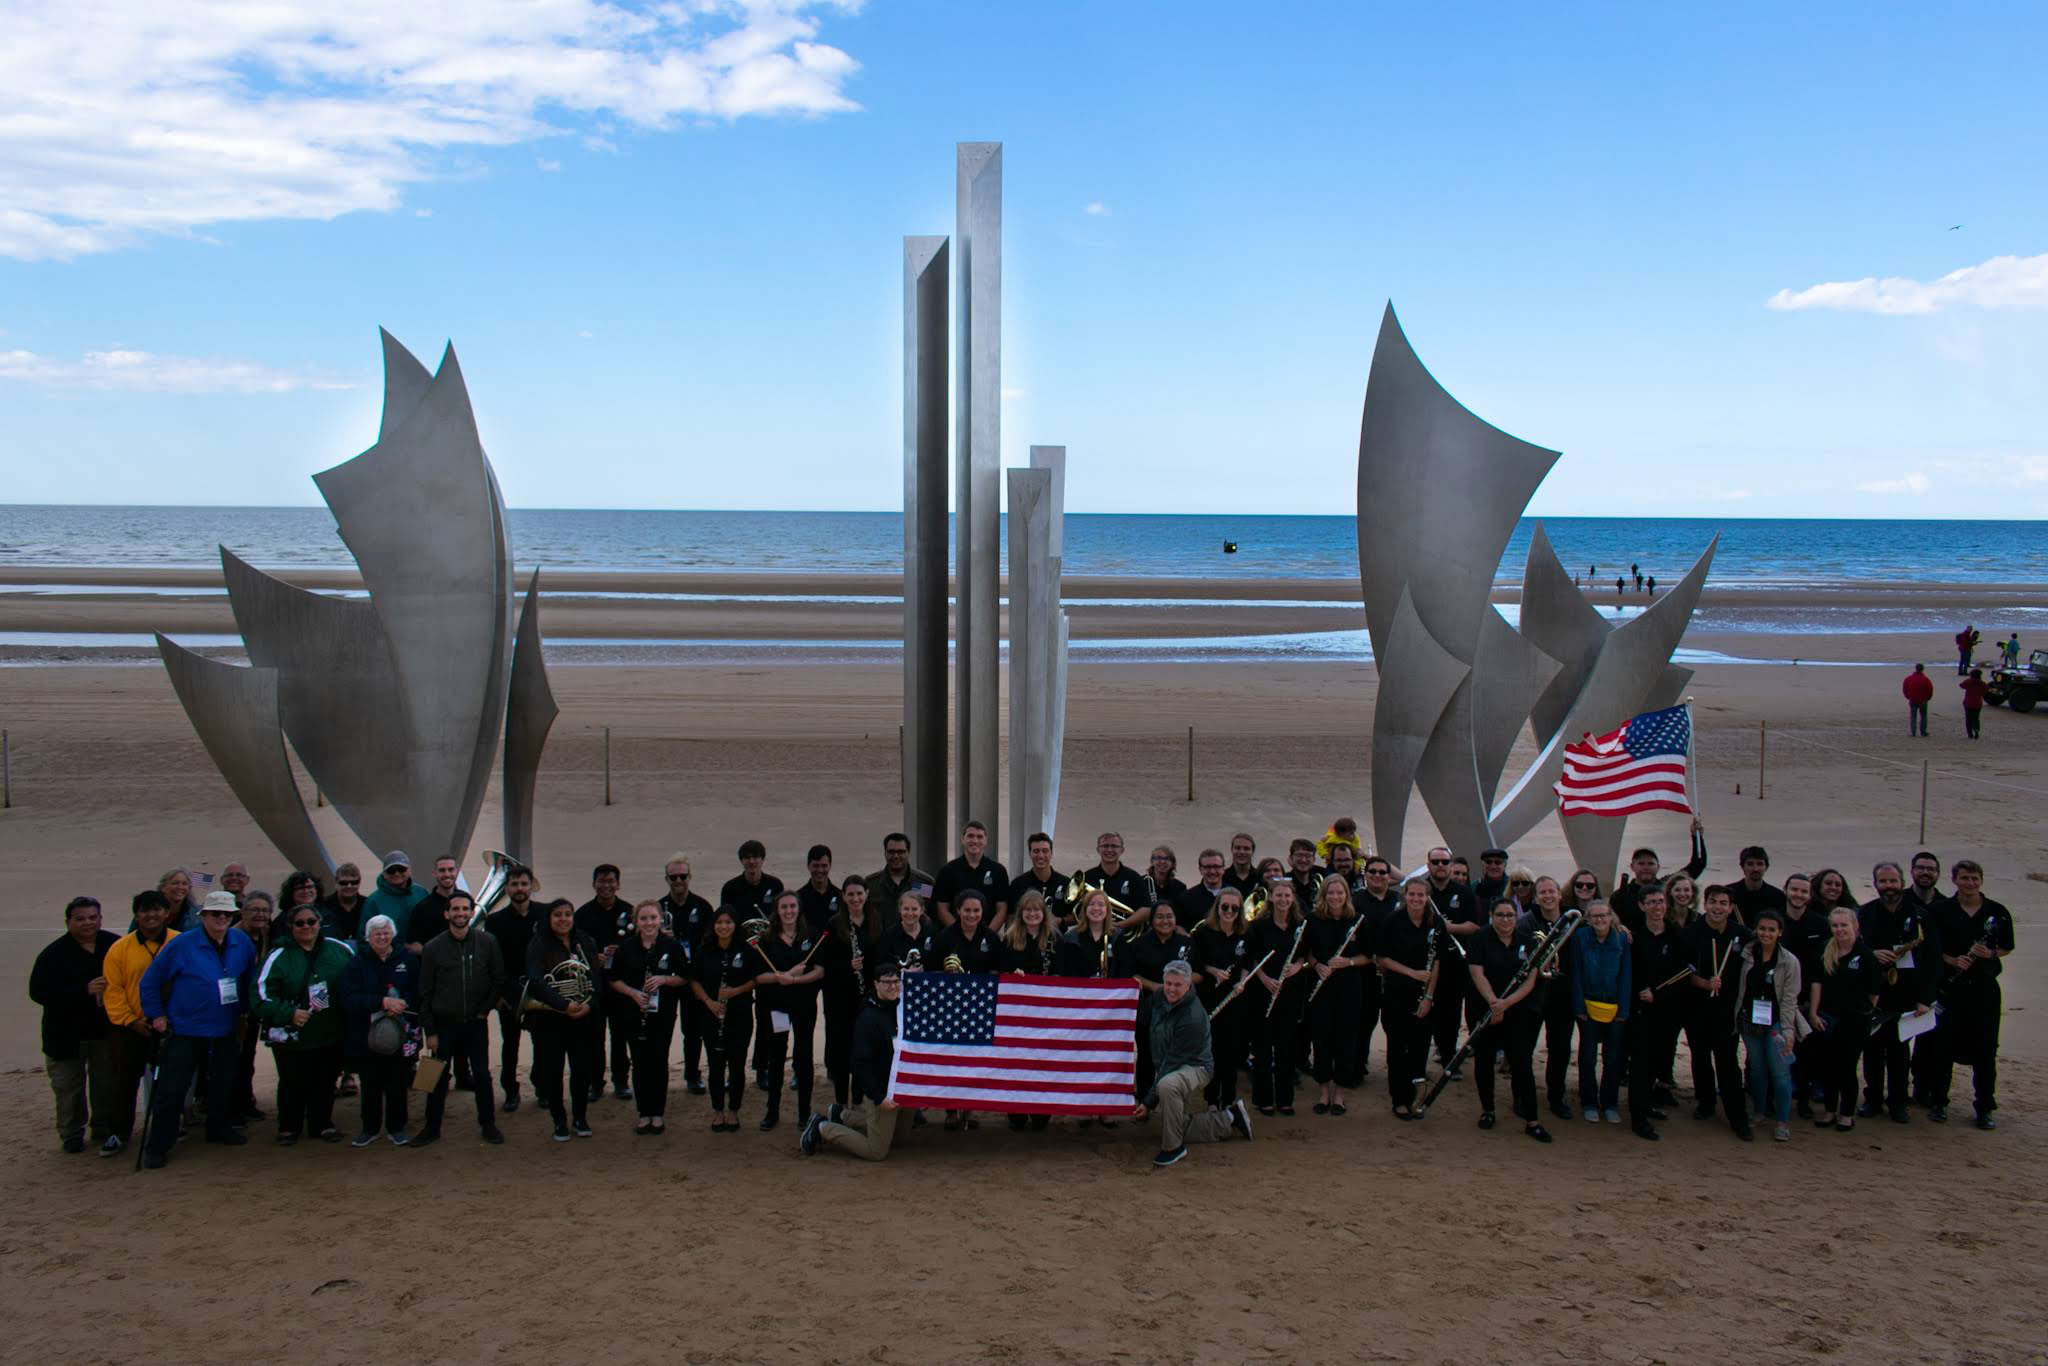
1077,893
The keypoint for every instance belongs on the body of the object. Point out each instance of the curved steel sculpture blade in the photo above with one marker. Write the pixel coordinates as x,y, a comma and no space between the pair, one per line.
530,712
1514,672
1557,617
1405,717
420,511
235,711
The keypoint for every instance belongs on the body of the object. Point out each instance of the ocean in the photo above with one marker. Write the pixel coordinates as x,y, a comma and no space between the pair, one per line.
1754,552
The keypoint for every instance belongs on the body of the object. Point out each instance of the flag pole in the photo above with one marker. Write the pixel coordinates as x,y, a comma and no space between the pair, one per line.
1691,784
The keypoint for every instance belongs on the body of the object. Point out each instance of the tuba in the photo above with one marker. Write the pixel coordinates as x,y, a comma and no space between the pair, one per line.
570,977
497,872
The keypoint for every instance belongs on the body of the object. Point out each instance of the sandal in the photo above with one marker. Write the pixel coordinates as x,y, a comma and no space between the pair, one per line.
1336,1109
1824,1122
1843,1126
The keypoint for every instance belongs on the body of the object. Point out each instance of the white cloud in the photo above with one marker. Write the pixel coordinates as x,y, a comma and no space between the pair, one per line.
1722,495
547,164
1999,471
1097,207
2001,282
126,118
1916,483
145,372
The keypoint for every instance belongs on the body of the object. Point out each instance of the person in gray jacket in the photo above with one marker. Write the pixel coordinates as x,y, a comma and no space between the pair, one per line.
1767,1019
462,975
1181,1068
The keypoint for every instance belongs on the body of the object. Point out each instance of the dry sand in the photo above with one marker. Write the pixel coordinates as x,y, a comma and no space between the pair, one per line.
1348,1239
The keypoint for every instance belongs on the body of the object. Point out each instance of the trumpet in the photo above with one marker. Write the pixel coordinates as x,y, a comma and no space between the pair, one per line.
1077,892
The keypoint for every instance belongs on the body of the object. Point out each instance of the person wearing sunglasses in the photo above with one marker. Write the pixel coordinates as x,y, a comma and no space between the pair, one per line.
194,995
1455,902
298,1006
1646,871
343,910
687,916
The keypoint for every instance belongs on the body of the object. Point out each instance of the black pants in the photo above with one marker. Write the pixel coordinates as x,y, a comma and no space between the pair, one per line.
181,1061
245,1071
694,1021
650,1046
794,1048
1453,985
1717,1062
470,1039
385,1082
1916,718
557,1040
305,1088
1558,1024
1971,718
1227,1043
1840,1047
1887,1065
1652,1036
1333,1030
130,1054
1407,1045
507,1012
841,1010
726,1049
1273,1037
624,1023
1967,1034
1515,1035
1368,1015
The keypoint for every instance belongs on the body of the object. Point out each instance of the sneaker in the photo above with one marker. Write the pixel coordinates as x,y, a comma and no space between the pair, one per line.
580,1127
1782,1134
424,1137
249,1115
492,1135
287,1139
74,1144
114,1144
623,1092
1591,1115
1743,1132
1166,1157
1611,1116
1987,1122
511,1102
836,1113
694,1086
153,1160
1901,1115
1563,1109
401,1139
1937,1114
1240,1119
363,1139
807,1141
562,1134
1486,1120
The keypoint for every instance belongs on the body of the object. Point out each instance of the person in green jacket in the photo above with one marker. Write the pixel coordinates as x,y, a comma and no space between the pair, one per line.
395,896
1182,1066
298,1007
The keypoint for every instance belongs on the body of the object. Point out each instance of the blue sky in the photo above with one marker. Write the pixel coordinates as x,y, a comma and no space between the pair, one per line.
668,249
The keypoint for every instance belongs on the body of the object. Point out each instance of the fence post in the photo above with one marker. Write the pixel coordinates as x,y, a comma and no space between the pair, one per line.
1923,802
901,778
6,773
607,765
1191,763
1762,732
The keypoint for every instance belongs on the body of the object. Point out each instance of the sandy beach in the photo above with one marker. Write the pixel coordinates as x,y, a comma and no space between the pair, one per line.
1314,1243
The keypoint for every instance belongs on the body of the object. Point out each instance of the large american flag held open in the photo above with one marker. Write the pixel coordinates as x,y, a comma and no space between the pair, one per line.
1039,1045
1644,766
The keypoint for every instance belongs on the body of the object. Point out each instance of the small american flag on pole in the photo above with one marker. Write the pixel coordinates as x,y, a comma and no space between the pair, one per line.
1644,766
1037,1045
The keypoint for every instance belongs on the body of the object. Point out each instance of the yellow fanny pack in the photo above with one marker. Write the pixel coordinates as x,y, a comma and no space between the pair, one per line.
1601,1012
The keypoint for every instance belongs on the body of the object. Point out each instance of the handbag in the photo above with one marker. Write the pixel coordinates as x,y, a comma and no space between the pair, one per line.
1601,1012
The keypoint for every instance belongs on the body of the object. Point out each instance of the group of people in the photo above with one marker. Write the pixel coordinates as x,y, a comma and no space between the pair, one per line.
1918,689
1259,979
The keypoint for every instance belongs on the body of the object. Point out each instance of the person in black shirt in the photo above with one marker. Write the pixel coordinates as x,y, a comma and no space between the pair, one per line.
818,897
1493,880
607,918
1041,877
69,982
847,954
1374,899
1657,954
1714,949
1753,894
1553,1000
1411,954
1975,934
1221,957
562,1030
430,916
1336,953
1907,945
1131,891
1644,872
968,939
973,871
343,911
1031,941
1165,886
1924,889
1461,919
1303,872
687,916
1089,949
1831,890
1191,906
1805,935
791,988
1839,1004
752,894
912,934
1285,978
648,974
1511,1019
512,925
887,884
1243,873
1160,942
726,969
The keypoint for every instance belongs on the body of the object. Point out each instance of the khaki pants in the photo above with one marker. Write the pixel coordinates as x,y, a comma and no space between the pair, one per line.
884,1128
72,1080
1178,1090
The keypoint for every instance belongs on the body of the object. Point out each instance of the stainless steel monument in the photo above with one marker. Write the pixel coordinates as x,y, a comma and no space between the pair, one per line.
1037,625
1439,494
394,703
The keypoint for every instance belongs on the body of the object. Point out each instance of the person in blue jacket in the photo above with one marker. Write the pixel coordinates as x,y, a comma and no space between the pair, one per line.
1600,998
194,996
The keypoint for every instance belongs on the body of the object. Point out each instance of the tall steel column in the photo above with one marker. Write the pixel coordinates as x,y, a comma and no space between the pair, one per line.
1033,638
1053,704
978,378
924,545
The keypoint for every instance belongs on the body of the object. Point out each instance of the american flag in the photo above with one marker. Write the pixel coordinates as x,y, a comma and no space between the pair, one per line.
1037,1045
1644,766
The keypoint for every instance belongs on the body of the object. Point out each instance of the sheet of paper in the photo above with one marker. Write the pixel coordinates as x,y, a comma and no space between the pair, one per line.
778,1021
1913,1026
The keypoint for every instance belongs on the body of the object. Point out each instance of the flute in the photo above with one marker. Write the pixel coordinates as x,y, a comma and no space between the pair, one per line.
1242,983
1357,923
1281,984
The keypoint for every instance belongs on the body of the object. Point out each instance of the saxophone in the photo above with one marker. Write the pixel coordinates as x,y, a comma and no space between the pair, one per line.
1891,974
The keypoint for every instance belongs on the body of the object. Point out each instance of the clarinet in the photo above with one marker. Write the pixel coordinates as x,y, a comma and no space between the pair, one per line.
1428,966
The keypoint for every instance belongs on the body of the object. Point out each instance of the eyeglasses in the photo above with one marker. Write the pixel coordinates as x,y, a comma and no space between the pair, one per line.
1586,886
1520,882
1438,862
305,924
678,877
215,915
348,882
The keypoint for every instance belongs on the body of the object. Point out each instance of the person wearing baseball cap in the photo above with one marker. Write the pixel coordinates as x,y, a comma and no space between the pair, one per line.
395,897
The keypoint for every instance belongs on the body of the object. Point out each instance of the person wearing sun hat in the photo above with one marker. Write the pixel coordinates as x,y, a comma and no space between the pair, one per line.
194,995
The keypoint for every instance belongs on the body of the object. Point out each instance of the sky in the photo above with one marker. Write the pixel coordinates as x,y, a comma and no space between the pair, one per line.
1740,260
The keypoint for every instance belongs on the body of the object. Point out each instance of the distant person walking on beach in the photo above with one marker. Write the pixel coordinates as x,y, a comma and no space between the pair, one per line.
1973,702
1653,586
1620,585
1966,645
1919,691
2012,651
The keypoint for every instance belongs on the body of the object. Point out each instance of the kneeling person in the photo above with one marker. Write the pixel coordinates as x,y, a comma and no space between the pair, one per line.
1182,1067
874,1053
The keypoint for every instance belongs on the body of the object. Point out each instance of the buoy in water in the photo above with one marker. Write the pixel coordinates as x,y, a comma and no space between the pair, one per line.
1230,547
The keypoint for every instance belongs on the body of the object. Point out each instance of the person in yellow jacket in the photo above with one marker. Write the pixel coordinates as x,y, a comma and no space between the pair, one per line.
1343,830
131,1038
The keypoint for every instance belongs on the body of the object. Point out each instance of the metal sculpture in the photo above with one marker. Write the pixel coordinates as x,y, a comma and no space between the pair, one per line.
924,542
978,412
1457,681
395,704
